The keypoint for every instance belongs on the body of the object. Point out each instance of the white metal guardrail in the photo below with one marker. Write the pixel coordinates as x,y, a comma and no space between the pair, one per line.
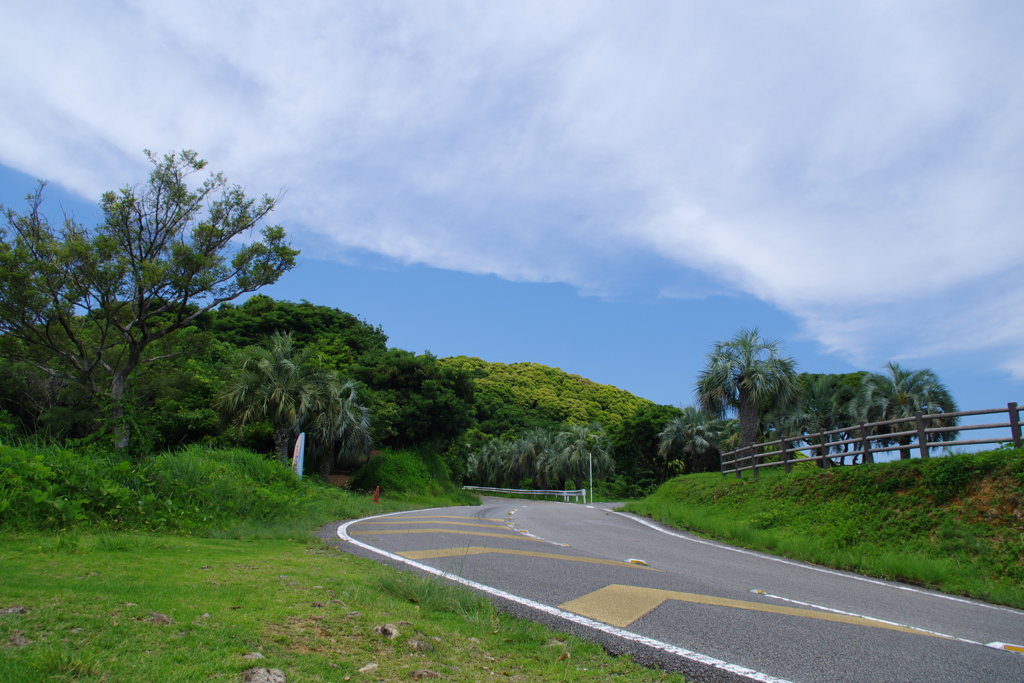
576,494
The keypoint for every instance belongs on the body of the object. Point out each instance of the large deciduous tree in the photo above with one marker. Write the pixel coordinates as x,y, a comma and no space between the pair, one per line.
747,374
91,305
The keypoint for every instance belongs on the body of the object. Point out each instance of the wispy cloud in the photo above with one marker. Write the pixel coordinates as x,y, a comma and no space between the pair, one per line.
856,164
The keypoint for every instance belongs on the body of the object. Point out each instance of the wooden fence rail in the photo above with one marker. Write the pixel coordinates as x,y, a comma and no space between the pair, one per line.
858,440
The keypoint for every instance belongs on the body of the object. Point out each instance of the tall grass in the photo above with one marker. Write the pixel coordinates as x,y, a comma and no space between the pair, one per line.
218,492
409,473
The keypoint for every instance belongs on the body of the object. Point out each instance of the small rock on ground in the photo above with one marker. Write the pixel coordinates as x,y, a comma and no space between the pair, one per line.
18,640
389,631
260,675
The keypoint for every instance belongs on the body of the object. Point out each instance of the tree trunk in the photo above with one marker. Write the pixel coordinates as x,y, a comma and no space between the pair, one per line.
281,442
904,442
748,419
122,430
324,462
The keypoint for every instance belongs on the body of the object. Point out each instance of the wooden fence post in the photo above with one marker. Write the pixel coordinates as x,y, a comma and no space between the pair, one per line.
1014,424
922,438
786,462
865,443
753,459
736,463
825,461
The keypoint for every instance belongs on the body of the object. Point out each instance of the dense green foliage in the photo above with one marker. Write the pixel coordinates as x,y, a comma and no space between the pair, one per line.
416,400
510,398
197,490
408,472
89,306
544,458
953,523
341,336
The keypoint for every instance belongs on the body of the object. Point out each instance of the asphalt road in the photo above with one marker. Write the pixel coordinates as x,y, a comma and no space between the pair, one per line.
706,609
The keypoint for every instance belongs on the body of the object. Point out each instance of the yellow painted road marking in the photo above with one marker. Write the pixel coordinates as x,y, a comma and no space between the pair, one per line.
622,605
434,521
1007,646
481,519
479,550
520,537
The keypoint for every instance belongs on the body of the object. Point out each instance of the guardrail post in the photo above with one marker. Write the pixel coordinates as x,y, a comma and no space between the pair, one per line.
865,443
1014,424
825,462
922,437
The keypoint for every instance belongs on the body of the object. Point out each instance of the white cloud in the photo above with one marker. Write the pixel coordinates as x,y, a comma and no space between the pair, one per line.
857,165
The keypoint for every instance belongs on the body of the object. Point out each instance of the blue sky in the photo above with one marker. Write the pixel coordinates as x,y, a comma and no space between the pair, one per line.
608,188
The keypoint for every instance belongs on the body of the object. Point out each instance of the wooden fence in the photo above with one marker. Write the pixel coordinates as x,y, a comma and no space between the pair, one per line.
866,439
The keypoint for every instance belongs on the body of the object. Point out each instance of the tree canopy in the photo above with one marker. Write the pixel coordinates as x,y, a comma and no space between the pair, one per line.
518,396
90,305
747,374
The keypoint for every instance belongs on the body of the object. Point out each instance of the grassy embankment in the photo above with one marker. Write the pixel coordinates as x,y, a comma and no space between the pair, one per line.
954,523
177,567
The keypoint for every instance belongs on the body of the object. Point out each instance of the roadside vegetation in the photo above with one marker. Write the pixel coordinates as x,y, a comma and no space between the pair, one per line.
179,566
152,400
953,523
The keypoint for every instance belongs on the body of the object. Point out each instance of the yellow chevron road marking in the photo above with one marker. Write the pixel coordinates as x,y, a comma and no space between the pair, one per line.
622,605
479,550
364,532
431,521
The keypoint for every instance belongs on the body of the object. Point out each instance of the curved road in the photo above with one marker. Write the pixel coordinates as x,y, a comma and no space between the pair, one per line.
683,603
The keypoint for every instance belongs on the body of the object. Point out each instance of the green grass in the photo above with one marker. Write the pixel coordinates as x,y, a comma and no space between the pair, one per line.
197,490
310,610
953,523
176,566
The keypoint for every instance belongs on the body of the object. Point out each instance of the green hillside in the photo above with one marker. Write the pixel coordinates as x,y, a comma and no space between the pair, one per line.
953,523
510,397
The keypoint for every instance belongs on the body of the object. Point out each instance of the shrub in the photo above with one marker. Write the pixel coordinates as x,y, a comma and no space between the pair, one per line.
398,471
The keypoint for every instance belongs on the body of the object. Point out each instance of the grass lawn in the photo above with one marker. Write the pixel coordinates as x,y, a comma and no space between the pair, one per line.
141,607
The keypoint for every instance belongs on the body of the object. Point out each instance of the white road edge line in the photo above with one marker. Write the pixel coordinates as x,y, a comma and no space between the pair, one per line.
554,611
864,616
833,572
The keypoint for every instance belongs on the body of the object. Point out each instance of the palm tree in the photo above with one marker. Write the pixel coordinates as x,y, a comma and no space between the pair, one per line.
901,394
693,438
342,429
282,385
525,453
746,374
579,447
822,403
